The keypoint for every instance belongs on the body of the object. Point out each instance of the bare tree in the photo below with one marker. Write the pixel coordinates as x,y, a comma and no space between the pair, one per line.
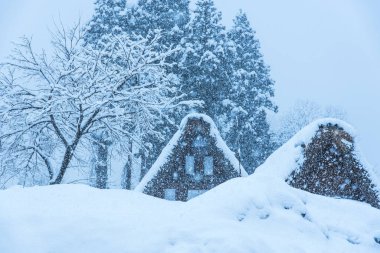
300,115
53,105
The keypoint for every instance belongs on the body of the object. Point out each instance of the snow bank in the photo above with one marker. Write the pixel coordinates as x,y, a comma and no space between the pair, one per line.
252,214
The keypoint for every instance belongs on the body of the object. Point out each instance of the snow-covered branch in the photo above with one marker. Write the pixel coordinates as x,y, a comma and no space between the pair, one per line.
77,90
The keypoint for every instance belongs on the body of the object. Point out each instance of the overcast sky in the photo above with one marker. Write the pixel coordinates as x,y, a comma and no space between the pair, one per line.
320,50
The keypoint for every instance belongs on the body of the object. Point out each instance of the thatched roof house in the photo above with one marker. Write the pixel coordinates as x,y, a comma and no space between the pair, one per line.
195,160
323,159
331,167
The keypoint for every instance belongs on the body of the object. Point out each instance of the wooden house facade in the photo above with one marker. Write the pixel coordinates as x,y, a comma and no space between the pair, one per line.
195,160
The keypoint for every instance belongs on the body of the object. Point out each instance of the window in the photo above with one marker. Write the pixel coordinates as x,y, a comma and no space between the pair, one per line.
175,175
208,165
189,165
169,194
199,142
197,177
193,193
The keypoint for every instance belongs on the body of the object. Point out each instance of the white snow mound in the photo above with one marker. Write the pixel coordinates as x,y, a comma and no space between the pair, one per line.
252,214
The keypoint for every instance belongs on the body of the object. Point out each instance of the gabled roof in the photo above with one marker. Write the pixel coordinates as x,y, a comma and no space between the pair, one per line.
289,159
167,151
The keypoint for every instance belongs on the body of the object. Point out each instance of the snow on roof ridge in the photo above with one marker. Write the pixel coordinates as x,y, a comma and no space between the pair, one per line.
167,151
196,115
284,160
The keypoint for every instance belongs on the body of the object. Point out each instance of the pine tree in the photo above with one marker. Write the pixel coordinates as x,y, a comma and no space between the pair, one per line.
110,18
251,93
141,21
203,65
169,16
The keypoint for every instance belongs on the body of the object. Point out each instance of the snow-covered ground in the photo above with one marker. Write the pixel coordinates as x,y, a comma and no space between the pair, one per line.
259,213
254,214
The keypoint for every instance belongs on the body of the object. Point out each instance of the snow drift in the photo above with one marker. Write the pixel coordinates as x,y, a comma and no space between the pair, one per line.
253,214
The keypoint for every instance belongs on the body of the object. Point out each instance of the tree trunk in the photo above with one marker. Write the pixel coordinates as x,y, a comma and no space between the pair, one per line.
67,159
127,172
101,168
136,165
126,183
65,164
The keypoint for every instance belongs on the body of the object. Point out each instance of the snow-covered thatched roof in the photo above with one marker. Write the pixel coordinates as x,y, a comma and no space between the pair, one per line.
290,157
168,150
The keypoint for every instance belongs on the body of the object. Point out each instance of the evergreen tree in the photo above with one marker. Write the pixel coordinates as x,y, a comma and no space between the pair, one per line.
203,66
169,16
110,18
143,20
247,130
227,73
